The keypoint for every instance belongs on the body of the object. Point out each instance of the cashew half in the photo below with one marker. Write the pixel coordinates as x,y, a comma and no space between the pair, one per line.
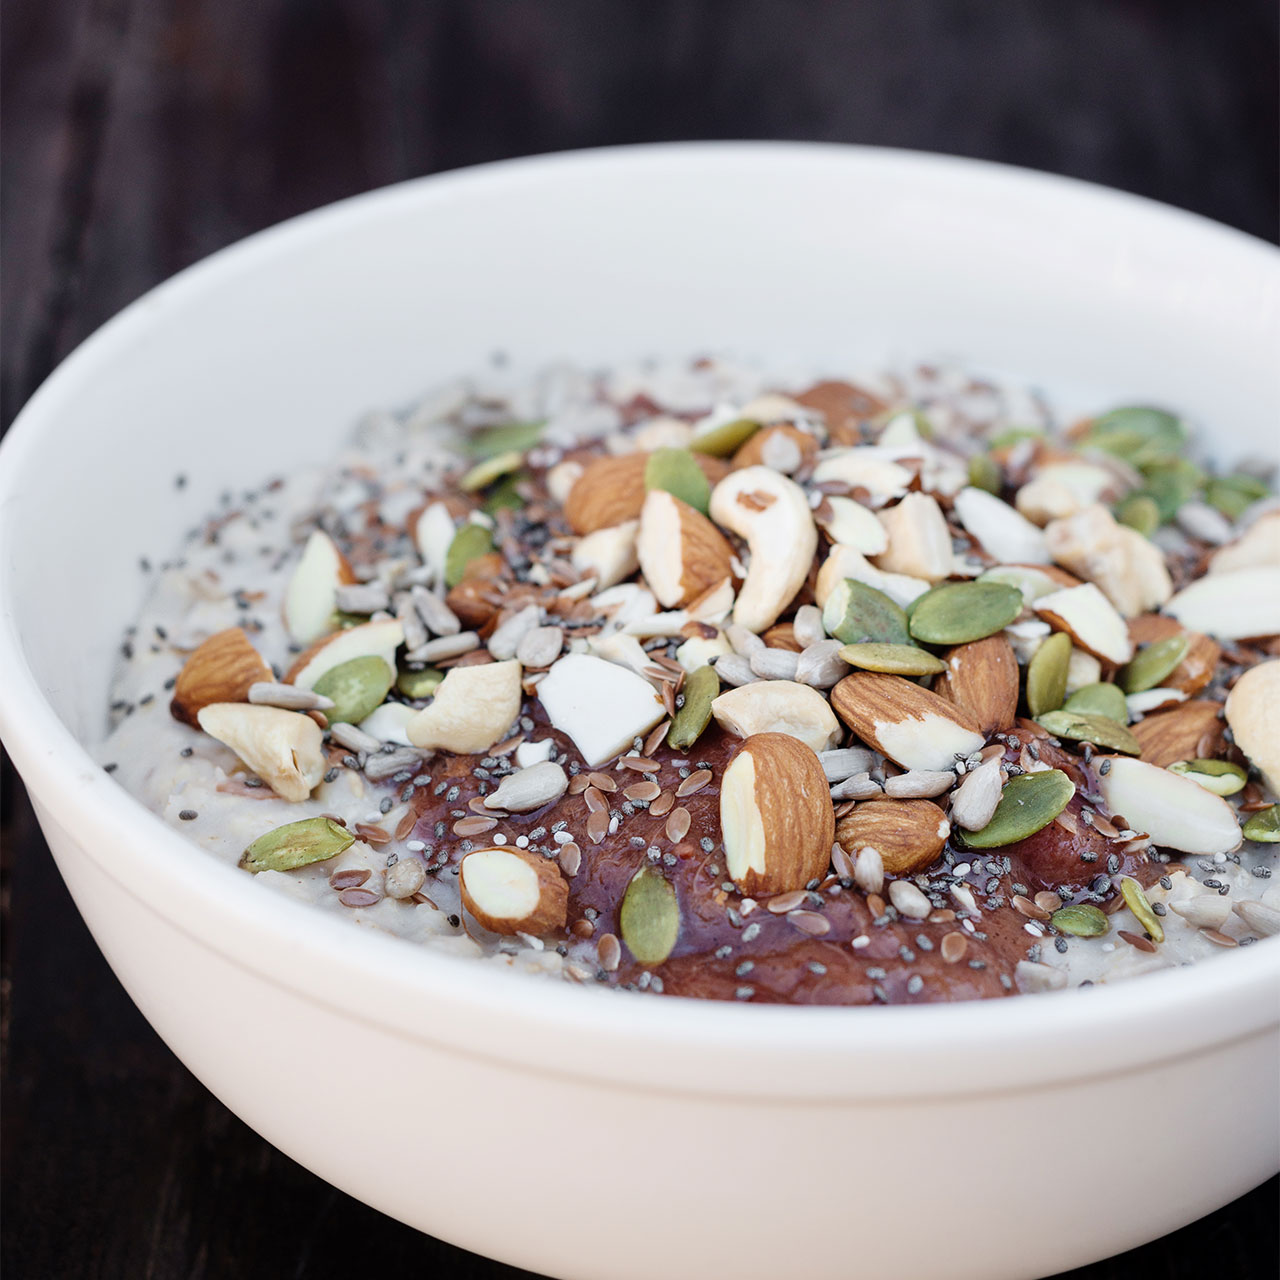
282,747
772,514
778,706
472,709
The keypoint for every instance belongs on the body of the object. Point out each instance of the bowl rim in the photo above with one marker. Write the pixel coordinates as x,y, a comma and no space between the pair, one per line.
481,1008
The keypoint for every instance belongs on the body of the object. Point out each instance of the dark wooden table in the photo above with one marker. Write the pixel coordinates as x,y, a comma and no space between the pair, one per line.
140,135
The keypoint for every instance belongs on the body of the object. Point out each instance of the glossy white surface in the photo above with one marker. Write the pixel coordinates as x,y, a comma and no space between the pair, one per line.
722,1139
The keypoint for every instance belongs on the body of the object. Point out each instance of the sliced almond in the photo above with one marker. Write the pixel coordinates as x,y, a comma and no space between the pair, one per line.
600,705
1190,731
1082,669
681,553
609,554
311,598
919,540
913,727
1257,548
282,747
850,523
512,891
1174,811
848,562
1126,567
776,816
1003,534
1196,669
865,467
1234,605
1253,712
472,709
907,834
783,447
1090,619
697,651
222,669
433,531
378,639
778,707
982,678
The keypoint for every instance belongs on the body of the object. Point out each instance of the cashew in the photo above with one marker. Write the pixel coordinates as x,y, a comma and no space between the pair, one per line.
852,524
281,747
1253,712
772,514
778,706
472,709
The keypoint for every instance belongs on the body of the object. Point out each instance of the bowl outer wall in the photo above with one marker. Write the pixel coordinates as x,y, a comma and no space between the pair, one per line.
266,352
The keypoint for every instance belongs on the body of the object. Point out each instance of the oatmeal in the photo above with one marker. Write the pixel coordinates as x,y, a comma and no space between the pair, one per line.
693,681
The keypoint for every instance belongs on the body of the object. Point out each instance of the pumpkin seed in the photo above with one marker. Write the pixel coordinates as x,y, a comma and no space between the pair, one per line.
677,471
1139,434
357,688
700,689
505,495
470,542
1099,730
1083,920
485,473
856,613
1170,484
511,437
649,920
1047,674
1234,494
1028,802
894,659
725,439
960,612
1219,776
1014,435
1152,663
1103,700
297,844
1137,902
419,684
984,473
1263,826
1139,511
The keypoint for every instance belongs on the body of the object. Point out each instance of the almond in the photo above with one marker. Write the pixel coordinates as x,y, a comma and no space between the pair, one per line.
511,891
769,447
1006,536
311,598
1190,731
776,816
919,540
982,679
1256,548
913,727
1174,811
378,639
1090,619
907,834
611,490
1234,605
609,553
681,552
476,599
1129,569
220,670
1253,712
1197,668
844,407
782,635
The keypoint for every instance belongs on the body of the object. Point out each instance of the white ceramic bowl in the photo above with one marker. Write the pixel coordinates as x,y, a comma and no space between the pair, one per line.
579,1132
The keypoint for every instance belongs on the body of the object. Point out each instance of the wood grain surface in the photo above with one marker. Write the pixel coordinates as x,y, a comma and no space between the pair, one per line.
141,135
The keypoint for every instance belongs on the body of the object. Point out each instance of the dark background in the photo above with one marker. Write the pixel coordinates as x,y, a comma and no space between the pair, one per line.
140,135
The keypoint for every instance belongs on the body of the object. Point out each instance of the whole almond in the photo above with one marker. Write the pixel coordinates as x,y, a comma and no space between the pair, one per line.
220,670
776,816
982,679
908,834
611,490
1169,736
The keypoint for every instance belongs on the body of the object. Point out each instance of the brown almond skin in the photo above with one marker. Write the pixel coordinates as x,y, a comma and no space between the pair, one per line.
982,678
611,490
782,635
220,670
792,795
481,593
1186,732
858,697
904,832
1195,671
751,454
553,899
707,557
843,406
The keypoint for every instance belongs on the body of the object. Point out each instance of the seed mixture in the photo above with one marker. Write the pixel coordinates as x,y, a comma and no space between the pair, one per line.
687,680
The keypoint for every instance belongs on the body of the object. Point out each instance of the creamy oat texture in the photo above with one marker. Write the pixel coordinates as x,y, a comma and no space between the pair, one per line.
903,485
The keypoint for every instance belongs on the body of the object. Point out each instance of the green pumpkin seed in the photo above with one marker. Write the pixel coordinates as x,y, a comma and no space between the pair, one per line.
1152,663
855,613
1137,902
1098,730
1082,921
700,690
505,495
1047,674
419,684
1139,434
1234,494
1103,700
1263,826
342,620
960,612
893,659
1139,511
357,688
485,473
297,844
1014,435
470,542
984,473
511,437
725,439
1170,484
650,919
1028,802
1219,776
677,471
